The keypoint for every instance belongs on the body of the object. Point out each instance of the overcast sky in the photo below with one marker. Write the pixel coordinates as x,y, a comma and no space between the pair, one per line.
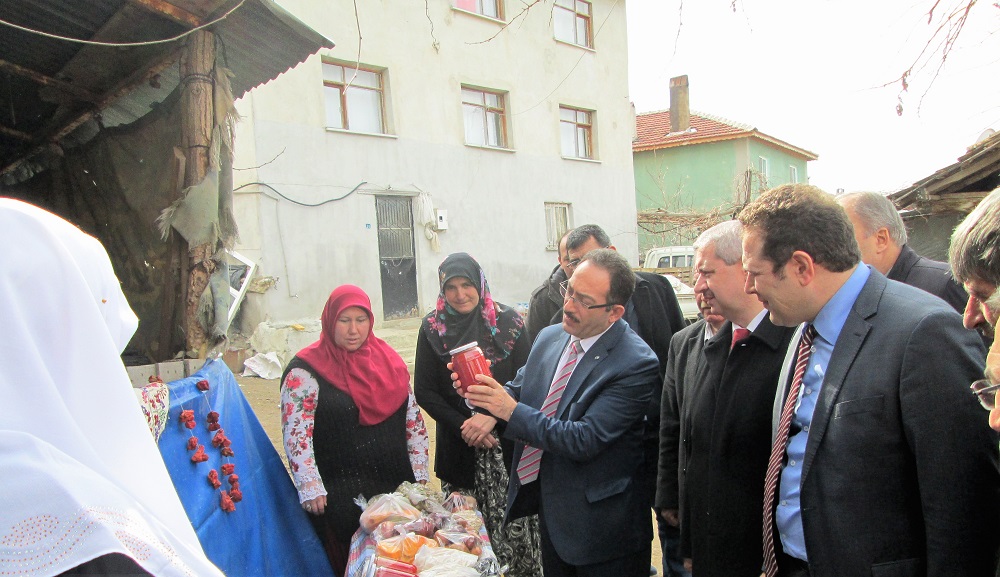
809,72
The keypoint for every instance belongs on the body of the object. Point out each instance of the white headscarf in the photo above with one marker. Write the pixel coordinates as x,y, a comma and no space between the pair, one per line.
80,475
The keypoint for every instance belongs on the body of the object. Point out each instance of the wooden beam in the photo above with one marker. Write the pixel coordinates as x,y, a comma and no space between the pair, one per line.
170,12
15,134
66,87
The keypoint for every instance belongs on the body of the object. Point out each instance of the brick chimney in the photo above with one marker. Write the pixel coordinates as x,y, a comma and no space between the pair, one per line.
680,108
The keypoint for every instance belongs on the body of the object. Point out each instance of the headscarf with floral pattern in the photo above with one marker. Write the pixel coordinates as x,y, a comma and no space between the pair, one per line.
494,326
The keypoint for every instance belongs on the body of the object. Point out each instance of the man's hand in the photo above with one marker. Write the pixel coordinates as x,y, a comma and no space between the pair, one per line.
671,516
490,395
477,429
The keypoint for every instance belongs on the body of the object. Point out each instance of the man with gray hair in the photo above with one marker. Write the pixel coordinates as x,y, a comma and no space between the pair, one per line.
975,260
882,239
723,404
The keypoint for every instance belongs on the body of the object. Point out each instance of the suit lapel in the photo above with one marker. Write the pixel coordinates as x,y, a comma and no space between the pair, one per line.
845,351
535,396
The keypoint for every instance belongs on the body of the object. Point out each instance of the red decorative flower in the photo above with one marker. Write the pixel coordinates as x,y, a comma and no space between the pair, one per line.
189,424
309,403
228,468
236,495
234,479
214,426
212,417
226,502
199,456
202,385
227,452
213,478
219,439
187,416
192,443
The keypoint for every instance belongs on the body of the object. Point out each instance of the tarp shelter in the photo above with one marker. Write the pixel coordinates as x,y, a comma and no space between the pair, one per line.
96,113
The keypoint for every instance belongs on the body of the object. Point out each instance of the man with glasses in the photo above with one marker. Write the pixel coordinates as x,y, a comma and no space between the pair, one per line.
655,315
881,463
975,262
576,411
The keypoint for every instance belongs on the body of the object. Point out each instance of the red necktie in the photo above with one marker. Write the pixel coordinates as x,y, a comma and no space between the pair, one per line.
531,458
778,450
738,335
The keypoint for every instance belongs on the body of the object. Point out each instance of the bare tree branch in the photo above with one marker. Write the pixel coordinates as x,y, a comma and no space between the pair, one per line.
519,15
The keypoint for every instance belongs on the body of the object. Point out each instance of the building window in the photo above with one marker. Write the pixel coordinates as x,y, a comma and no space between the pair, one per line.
793,175
572,21
490,8
556,223
354,98
485,118
762,167
576,132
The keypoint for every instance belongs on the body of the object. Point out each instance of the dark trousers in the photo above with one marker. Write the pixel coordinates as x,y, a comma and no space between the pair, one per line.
631,565
789,566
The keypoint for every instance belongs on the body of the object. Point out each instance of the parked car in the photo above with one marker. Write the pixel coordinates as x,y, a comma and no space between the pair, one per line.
669,257
685,297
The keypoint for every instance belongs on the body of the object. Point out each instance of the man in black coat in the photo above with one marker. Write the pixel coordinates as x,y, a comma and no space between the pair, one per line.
882,238
545,306
685,365
655,315
725,416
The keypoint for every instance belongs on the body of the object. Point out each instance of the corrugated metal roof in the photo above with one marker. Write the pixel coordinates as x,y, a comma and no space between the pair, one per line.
67,81
653,133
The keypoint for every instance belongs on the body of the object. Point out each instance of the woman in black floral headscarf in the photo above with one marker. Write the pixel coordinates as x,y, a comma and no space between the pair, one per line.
471,456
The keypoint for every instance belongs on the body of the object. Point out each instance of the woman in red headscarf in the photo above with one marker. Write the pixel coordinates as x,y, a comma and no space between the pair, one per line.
350,422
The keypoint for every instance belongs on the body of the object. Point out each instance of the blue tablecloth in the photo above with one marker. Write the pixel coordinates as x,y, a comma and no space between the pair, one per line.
268,534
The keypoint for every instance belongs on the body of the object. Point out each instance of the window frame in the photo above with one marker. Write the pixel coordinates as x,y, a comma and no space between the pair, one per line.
587,17
552,232
588,128
479,10
763,166
793,174
346,84
501,111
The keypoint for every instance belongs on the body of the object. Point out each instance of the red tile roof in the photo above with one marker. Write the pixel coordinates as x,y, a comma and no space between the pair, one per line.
653,133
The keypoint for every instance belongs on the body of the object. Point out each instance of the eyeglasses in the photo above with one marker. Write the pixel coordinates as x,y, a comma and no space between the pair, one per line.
568,293
986,392
573,263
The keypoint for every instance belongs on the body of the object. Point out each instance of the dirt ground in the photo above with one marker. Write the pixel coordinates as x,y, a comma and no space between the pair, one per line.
264,398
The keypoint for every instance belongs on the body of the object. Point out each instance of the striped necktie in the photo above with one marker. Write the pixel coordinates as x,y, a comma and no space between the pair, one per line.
778,449
531,458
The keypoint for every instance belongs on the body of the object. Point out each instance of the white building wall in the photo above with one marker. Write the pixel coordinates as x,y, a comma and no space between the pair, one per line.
494,198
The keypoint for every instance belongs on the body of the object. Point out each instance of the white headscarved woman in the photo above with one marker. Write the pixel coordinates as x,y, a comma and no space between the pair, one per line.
81,478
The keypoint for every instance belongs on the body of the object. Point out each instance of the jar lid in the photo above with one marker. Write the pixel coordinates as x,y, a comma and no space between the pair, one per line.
463,348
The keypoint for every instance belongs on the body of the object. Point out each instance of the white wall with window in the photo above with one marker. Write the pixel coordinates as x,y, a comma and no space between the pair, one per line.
467,112
572,21
557,222
354,97
488,8
576,132
485,117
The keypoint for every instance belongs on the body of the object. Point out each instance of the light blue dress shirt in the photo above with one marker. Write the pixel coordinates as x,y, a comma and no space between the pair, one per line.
828,323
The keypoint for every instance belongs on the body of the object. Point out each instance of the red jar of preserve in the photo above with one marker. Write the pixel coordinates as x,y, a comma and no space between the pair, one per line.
468,361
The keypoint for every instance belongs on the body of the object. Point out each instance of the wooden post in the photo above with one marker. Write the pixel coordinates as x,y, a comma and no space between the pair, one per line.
197,117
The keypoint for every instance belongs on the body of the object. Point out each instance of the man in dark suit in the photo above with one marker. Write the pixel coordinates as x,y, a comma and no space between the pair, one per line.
545,305
882,462
655,315
579,448
882,238
725,416
685,363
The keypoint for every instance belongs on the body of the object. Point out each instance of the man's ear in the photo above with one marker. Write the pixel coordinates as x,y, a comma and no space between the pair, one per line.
802,267
617,312
882,239
612,247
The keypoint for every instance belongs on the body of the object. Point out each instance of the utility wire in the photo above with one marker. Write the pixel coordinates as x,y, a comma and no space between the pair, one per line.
293,201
